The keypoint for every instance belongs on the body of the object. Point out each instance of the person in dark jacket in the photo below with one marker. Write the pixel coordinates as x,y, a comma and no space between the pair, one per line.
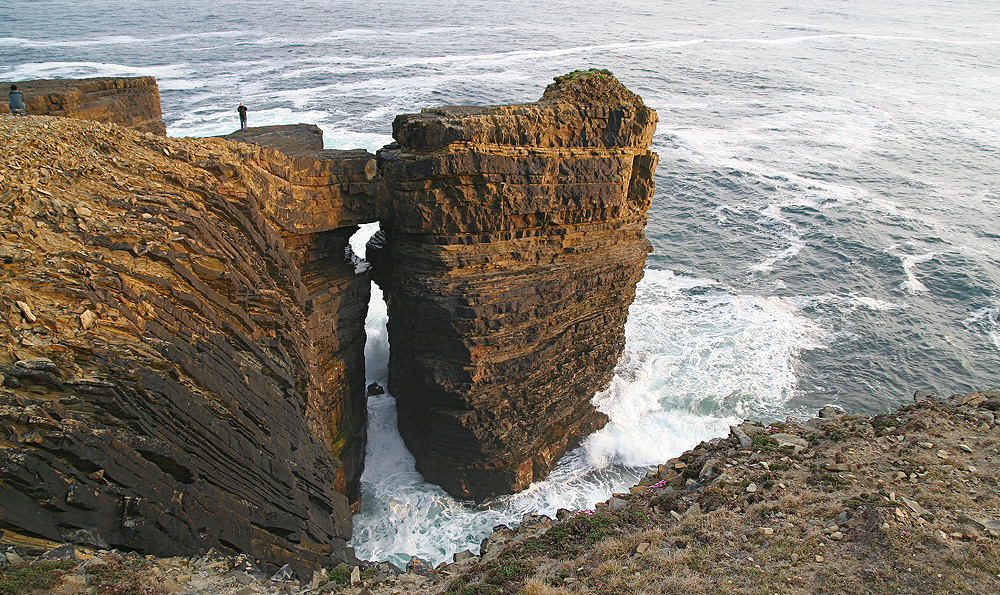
16,101
242,109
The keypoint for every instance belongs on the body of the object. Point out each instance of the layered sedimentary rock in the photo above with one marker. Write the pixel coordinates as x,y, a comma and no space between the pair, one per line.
183,322
183,338
513,242
130,101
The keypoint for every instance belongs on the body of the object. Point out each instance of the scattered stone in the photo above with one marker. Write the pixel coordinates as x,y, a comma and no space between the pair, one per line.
26,311
87,319
740,437
13,557
916,508
420,567
642,547
837,535
819,558
355,575
692,511
799,444
617,504
389,569
926,445
708,469
943,454
462,556
752,488
65,551
965,447
829,412
767,530
285,573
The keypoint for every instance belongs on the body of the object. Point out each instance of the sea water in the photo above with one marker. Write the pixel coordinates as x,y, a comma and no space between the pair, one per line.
826,223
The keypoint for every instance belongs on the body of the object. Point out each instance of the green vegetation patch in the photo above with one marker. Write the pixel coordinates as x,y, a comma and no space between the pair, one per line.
18,579
341,574
764,442
581,74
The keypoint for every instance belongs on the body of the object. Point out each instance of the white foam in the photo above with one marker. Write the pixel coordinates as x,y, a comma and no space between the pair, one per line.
912,284
846,303
772,213
19,42
43,70
986,320
698,358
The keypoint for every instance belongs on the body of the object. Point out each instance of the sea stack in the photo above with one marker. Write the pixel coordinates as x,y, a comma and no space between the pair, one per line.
513,239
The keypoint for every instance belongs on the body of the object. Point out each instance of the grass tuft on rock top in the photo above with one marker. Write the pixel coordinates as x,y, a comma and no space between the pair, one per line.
581,74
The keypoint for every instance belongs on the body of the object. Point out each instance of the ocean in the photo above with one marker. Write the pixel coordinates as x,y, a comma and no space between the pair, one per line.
826,223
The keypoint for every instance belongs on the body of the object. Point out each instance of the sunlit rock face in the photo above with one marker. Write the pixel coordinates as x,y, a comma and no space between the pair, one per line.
513,243
183,339
129,101
183,322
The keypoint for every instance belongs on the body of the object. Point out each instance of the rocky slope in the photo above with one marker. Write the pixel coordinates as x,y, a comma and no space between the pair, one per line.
907,502
513,241
132,102
184,342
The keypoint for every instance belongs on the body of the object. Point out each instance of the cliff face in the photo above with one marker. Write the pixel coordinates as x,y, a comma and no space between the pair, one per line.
185,357
513,244
183,322
132,102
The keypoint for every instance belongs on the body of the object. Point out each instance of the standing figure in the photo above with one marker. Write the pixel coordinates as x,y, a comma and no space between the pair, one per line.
16,101
242,109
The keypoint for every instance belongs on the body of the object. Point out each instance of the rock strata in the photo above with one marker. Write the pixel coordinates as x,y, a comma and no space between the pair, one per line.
183,332
513,242
133,102
184,320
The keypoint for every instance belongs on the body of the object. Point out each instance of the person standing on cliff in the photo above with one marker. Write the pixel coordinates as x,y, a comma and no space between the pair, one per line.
16,101
242,109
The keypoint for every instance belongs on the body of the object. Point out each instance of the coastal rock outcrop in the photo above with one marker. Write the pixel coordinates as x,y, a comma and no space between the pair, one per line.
130,101
183,332
183,319
513,242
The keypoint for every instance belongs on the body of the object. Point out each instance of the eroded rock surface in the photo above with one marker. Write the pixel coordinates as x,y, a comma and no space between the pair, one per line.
130,101
184,353
513,242
184,323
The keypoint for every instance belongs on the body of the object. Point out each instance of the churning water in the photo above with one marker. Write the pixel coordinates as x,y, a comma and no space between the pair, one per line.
826,225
